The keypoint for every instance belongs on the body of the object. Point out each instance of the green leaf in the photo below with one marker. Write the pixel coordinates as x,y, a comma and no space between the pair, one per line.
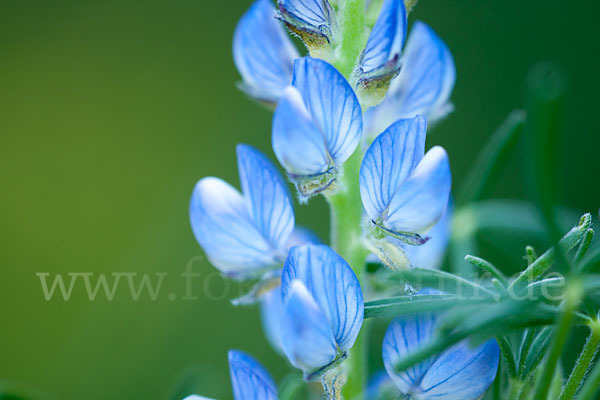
488,267
484,174
507,354
415,304
537,349
584,246
443,281
546,260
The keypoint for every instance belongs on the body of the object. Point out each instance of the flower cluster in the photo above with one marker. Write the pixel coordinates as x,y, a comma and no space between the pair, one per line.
312,300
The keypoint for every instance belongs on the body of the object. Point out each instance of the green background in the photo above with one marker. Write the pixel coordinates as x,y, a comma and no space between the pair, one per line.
110,111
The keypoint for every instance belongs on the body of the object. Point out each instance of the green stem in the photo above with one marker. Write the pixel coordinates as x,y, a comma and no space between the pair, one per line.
515,388
352,41
592,385
583,363
346,239
573,295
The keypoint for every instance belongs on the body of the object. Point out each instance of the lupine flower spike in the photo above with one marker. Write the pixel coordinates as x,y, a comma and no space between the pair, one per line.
316,127
459,373
249,380
263,53
323,308
245,234
404,192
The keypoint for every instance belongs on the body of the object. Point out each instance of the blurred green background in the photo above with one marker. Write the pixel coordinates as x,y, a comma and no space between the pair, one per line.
111,110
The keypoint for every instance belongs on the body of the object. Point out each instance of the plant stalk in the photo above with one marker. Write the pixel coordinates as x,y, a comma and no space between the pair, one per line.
346,239
583,364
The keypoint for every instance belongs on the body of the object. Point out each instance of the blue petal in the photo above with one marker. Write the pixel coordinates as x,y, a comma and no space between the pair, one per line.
313,20
420,202
332,104
431,254
249,380
389,161
332,284
424,84
269,204
306,333
196,397
403,336
314,13
386,39
263,52
271,310
222,226
461,373
297,142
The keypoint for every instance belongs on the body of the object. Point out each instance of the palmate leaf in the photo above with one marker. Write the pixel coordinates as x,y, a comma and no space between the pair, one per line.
546,260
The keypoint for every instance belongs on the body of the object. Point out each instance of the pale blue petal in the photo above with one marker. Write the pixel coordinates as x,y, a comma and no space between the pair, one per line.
386,39
423,86
403,336
431,254
268,200
263,52
297,142
389,161
461,373
306,333
315,14
197,397
249,380
222,226
300,236
332,284
332,104
427,76
420,202
271,310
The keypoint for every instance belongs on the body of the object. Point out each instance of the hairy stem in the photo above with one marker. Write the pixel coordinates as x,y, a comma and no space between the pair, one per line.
565,322
583,364
352,41
346,239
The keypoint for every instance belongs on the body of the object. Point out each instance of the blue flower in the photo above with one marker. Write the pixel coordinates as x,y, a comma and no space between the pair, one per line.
249,380
459,373
270,302
263,53
322,307
404,192
313,21
244,234
317,125
379,62
423,86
